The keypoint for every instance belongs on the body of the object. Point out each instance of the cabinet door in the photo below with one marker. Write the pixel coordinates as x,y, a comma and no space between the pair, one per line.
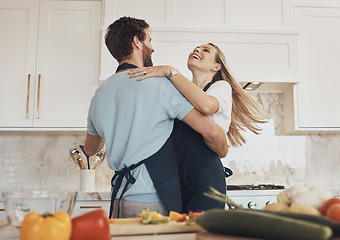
18,41
319,43
2,212
67,62
82,207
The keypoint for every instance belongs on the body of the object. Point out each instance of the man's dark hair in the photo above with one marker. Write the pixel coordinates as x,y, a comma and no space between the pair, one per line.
119,36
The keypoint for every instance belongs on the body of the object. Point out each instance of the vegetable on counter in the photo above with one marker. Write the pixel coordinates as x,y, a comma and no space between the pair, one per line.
46,226
324,207
314,219
293,208
305,194
153,217
178,217
220,197
93,225
333,212
261,224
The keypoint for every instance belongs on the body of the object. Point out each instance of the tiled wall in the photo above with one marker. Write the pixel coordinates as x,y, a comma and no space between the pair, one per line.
42,161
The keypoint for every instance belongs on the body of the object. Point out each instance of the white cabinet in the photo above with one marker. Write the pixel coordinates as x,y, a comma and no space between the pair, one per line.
2,211
257,36
314,103
49,63
82,207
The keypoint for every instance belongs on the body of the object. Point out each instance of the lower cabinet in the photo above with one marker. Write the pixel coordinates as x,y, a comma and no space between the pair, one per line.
2,211
82,207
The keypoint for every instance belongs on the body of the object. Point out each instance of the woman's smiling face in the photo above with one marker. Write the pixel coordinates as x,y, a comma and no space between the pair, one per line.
203,57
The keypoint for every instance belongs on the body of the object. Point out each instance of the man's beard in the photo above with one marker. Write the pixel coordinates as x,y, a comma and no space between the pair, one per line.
147,61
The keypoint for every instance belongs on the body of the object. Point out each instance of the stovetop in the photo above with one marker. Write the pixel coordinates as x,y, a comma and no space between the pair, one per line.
255,187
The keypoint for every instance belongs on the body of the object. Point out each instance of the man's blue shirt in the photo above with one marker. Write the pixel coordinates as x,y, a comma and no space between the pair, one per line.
135,118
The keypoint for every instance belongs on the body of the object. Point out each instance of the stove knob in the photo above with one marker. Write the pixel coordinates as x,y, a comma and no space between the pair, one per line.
252,205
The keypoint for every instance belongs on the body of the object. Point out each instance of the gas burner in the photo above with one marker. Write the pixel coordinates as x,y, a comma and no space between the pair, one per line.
255,187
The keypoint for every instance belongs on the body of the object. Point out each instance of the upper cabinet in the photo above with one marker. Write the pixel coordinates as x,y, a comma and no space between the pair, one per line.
49,63
313,104
257,36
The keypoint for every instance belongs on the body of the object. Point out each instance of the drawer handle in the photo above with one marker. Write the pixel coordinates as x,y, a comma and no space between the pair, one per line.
2,210
82,207
28,95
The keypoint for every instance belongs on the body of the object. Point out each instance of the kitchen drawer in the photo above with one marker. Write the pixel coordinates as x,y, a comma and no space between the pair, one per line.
82,207
2,211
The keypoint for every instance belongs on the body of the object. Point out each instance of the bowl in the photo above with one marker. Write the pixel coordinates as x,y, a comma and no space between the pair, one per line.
18,203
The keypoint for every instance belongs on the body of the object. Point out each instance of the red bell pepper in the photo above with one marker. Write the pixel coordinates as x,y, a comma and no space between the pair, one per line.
194,215
92,225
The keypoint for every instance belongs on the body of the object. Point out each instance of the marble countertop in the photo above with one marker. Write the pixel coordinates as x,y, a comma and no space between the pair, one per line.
84,196
106,196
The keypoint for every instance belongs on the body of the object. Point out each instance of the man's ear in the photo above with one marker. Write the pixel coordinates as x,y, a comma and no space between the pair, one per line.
136,42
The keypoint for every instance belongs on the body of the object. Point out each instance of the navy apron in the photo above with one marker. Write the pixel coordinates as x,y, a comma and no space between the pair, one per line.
199,169
163,170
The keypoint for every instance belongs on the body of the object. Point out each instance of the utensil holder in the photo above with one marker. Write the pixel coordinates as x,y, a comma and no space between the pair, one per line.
87,180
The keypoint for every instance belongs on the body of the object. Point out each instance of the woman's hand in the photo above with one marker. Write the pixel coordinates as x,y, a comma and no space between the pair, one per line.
147,72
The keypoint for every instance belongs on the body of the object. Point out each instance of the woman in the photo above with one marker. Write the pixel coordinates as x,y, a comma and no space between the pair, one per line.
213,92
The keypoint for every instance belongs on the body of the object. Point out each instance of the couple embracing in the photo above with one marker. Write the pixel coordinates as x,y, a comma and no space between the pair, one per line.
165,134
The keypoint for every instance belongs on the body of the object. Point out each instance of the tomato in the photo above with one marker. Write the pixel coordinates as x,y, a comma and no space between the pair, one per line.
333,212
93,225
327,204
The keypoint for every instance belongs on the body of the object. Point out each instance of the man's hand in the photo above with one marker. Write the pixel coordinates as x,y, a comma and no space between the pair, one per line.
93,144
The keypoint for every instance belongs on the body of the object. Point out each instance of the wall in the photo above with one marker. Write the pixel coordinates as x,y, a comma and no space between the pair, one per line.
42,161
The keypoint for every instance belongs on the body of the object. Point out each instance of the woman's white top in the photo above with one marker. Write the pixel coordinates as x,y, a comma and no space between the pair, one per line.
221,90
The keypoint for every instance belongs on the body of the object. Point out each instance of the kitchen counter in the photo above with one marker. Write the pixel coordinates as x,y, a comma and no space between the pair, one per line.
106,196
9,233
82,195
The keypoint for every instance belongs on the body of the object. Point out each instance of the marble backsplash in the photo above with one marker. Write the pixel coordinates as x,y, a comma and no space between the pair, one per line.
42,161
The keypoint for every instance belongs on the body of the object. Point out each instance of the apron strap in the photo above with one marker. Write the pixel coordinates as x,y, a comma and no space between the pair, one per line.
207,86
228,172
119,175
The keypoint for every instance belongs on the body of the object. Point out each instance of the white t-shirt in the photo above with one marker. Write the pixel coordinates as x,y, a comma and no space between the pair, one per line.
221,90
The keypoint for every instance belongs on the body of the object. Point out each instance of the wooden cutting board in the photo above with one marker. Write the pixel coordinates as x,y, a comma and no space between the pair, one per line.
133,226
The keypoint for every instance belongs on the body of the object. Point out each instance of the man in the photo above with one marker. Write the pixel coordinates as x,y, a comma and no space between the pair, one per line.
136,120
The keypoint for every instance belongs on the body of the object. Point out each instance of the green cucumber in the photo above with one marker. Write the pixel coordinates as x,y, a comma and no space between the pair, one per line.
313,218
262,224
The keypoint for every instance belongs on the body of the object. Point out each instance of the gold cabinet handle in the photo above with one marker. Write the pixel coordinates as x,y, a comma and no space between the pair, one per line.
28,95
88,207
38,100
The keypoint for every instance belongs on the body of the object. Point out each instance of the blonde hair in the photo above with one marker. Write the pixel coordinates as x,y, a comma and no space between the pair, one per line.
245,112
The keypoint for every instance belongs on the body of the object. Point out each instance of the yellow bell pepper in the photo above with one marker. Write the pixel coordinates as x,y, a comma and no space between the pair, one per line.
46,227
